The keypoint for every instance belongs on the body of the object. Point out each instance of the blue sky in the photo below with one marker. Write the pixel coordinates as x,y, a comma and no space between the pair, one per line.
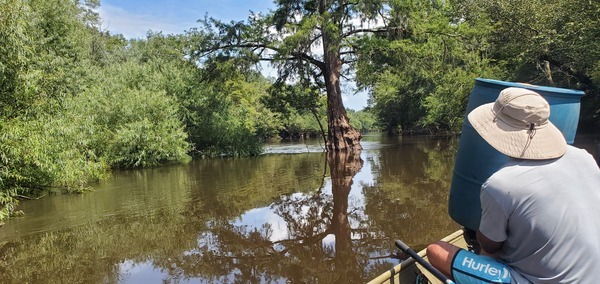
134,18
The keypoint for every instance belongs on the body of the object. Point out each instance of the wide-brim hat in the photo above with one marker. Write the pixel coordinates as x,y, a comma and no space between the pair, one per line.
517,125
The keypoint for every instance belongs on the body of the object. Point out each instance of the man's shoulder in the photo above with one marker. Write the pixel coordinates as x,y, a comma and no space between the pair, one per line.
577,153
518,166
513,174
517,172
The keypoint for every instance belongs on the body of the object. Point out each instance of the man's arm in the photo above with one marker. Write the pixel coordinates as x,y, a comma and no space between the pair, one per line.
489,246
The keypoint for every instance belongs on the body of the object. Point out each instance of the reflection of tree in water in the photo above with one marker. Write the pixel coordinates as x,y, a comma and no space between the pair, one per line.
196,235
405,202
312,218
248,254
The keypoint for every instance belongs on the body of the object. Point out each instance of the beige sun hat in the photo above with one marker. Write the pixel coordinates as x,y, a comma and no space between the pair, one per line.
517,125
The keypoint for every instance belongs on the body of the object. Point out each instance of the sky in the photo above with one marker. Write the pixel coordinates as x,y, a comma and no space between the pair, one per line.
134,18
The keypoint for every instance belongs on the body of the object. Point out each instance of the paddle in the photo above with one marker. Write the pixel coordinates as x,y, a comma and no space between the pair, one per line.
403,247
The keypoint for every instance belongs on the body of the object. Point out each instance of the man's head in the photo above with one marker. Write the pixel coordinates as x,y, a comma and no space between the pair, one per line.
517,125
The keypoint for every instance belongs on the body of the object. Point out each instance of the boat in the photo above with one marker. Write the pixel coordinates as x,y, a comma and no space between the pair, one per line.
408,271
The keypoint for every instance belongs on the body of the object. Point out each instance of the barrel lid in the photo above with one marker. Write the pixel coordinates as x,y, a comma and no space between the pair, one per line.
529,86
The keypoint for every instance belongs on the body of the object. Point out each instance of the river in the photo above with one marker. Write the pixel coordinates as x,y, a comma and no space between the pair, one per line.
288,216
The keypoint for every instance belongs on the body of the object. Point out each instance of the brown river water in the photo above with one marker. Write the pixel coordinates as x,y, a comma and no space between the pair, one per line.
289,216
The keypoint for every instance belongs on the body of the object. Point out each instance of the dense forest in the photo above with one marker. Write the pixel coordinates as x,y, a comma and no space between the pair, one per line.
77,101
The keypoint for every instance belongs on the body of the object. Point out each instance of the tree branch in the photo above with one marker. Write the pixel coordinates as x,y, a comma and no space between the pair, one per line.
304,56
374,30
581,77
295,56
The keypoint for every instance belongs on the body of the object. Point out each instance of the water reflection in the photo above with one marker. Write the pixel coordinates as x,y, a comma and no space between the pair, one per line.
277,218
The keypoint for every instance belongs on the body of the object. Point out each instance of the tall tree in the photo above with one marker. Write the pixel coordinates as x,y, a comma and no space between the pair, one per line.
334,15
310,41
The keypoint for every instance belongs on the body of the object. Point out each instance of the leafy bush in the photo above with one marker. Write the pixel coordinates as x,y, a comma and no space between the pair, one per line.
44,154
133,126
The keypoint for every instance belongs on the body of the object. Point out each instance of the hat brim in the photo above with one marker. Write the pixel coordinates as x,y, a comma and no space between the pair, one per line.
547,141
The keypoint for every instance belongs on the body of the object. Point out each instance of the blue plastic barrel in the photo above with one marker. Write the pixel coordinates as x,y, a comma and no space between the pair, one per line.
476,160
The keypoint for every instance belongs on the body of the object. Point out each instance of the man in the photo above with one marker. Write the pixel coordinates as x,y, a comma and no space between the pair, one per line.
540,219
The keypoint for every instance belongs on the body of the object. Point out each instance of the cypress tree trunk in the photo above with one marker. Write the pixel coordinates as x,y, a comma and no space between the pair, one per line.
340,135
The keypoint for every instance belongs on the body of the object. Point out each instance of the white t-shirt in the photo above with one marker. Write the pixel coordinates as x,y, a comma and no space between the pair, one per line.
547,213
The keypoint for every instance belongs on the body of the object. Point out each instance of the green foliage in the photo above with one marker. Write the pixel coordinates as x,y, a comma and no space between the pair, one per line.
43,154
42,65
71,105
302,125
552,43
299,107
40,48
228,118
75,101
363,120
14,55
132,128
142,143
423,73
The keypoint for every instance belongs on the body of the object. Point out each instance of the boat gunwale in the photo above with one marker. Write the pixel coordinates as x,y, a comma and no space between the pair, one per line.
410,261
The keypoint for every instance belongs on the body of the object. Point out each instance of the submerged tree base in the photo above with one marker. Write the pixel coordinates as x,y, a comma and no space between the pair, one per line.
342,136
